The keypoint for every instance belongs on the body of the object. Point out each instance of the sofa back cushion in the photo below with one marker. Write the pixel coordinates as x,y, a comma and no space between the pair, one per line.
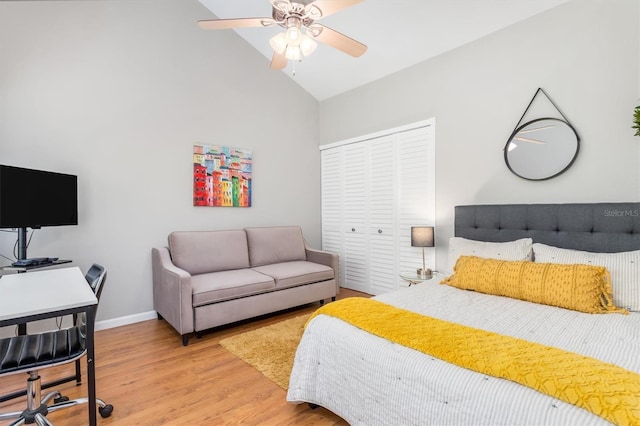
199,252
275,244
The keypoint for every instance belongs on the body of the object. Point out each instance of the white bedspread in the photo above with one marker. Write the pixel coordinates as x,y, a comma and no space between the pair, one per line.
370,381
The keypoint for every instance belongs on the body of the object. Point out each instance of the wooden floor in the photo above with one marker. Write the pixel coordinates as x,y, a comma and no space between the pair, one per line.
151,379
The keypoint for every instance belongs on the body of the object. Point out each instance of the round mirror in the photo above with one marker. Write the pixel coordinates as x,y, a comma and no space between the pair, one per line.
542,149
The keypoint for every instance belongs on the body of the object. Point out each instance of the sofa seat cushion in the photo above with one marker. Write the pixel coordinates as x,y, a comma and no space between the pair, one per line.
225,285
291,274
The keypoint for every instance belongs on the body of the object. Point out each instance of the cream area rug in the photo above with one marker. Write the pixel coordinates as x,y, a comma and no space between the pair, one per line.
269,349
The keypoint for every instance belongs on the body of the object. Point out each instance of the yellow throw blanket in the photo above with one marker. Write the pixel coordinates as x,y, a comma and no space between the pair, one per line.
606,390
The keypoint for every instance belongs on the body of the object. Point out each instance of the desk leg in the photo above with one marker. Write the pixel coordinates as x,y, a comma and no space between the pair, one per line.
91,367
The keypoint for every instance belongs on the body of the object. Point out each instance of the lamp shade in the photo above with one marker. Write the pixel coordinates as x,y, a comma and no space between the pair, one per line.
293,53
422,236
278,43
307,45
293,36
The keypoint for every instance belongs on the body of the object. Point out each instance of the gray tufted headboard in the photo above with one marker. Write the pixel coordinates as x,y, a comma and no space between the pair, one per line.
598,227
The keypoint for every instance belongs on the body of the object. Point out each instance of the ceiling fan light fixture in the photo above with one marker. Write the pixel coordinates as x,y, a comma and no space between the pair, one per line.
293,44
293,53
307,45
278,43
294,36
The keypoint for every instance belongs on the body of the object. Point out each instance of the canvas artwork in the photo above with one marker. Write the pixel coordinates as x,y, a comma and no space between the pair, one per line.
221,176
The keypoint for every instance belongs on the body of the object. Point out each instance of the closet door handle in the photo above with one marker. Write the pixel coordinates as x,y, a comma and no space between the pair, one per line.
379,231
353,229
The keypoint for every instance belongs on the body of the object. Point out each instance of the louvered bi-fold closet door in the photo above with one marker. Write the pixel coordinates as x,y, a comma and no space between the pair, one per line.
381,214
356,264
373,191
344,208
332,163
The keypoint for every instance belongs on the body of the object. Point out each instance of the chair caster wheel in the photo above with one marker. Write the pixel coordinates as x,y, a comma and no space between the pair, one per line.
61,398
105,411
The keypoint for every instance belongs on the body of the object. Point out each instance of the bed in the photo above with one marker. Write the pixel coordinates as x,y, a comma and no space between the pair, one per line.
368,380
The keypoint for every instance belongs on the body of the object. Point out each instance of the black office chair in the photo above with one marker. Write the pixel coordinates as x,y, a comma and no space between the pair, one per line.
93,275
30,353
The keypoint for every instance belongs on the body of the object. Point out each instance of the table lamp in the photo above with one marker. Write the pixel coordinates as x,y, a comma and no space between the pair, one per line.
422,236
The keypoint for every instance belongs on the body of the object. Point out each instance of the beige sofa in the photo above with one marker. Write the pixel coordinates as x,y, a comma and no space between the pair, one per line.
204,279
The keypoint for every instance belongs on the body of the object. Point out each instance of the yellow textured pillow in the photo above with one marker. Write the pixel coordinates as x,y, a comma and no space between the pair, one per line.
583,288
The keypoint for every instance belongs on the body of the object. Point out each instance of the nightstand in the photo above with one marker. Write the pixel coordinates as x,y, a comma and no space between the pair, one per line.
413,278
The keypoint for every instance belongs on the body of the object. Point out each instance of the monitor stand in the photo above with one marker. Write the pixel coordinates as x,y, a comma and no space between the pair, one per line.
22,254
22,243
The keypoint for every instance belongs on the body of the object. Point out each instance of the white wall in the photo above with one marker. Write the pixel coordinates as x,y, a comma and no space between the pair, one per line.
118,92
584,54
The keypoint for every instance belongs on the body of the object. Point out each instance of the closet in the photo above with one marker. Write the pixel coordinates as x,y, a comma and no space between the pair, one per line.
374,188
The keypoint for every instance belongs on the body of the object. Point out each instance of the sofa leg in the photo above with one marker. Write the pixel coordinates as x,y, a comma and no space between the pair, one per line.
159,316
321,302
333,299
313,406
185,339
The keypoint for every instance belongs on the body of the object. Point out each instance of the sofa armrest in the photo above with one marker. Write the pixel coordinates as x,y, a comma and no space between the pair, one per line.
325,258
172,293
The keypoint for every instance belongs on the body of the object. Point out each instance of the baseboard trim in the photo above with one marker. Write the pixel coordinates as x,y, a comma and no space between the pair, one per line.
129,319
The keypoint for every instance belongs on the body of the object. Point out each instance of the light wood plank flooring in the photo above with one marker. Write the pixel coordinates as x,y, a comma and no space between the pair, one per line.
151,379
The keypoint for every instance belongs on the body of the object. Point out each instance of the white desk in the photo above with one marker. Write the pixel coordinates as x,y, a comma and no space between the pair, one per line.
48,294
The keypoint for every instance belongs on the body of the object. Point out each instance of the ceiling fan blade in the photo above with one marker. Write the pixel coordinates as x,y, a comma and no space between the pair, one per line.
224,24
282,5
278,61
329,7
340,41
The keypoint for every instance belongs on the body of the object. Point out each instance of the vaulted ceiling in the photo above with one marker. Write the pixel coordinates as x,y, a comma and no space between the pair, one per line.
398,33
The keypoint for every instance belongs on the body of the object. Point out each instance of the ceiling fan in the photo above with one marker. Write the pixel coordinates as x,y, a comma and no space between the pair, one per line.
301,29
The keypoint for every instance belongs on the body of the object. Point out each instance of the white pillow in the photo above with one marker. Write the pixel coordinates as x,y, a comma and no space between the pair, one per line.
624,268
511,250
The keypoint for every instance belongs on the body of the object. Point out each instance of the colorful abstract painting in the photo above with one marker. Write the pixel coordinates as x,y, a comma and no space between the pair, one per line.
221,176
